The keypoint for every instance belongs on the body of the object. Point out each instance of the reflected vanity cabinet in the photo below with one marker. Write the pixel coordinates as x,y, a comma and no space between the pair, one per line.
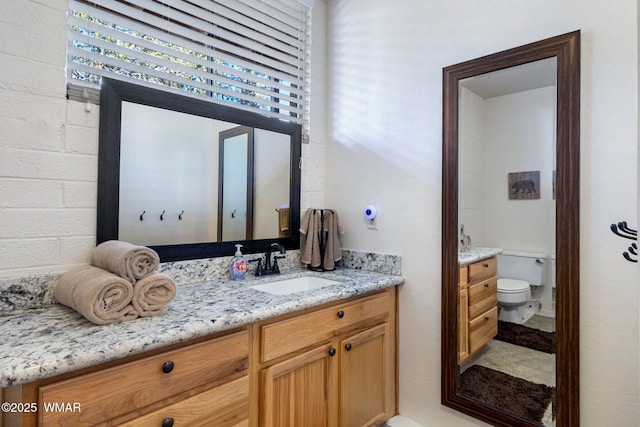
201,384
333,366
477,306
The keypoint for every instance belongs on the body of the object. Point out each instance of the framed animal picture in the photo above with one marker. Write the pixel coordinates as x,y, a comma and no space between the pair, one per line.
524,185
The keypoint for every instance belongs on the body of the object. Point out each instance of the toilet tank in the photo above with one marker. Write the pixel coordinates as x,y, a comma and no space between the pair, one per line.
531,267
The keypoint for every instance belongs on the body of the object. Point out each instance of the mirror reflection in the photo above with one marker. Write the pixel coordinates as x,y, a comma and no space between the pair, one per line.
506,218
191,178
210,178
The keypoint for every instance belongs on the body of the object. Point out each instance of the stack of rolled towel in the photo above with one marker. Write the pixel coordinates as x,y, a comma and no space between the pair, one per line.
120,284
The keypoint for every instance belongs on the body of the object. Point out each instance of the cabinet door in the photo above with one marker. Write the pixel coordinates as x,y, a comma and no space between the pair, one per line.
297,392
367,376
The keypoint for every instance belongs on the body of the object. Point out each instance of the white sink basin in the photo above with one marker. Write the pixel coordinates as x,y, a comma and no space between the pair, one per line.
295,284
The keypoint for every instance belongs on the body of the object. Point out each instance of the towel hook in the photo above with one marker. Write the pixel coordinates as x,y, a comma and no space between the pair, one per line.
621,229
142,215
233,214
162,216
180,216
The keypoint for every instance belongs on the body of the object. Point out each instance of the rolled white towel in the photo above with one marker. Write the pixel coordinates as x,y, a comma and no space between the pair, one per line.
100,296
152,294
131,262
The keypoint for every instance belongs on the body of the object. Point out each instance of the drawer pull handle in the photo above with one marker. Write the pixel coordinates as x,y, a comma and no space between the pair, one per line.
340,314
166,368
332,352
167,422
348,347
486,319
486,265
486,285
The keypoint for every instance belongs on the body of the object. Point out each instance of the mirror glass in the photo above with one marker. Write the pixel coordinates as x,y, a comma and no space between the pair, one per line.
191,179
511,178
506,201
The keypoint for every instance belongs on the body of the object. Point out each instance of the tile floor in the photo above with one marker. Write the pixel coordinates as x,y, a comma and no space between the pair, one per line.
522,362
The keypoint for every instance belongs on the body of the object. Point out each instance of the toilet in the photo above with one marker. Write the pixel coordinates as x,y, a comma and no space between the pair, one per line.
517,272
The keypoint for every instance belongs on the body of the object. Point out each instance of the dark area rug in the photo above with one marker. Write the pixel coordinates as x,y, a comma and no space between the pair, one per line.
516,396
527,337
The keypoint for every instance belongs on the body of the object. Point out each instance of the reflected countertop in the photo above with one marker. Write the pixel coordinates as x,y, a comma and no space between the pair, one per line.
48,341
476,254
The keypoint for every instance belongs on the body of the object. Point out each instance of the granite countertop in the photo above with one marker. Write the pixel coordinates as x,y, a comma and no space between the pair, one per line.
48,341
476,254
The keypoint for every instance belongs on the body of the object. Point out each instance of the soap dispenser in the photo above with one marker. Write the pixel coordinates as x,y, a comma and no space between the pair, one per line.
238,267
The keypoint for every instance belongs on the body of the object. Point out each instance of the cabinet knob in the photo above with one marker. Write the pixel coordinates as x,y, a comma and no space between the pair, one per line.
332,352
167,422
166,368
348,347
486,285
340,314
486,319
485,265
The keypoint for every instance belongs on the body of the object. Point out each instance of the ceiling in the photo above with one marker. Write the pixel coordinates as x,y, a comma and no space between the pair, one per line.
533,75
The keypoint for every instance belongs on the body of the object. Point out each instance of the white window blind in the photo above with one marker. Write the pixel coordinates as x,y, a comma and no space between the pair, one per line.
250,53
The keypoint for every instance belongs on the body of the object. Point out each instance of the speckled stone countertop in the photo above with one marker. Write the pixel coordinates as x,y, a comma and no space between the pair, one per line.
52,340
476,254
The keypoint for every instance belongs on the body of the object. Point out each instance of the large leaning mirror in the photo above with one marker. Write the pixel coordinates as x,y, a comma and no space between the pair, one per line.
190,178
510,235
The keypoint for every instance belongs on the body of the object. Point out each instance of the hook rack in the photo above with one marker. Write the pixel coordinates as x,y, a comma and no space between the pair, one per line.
622,229
142,215
180,216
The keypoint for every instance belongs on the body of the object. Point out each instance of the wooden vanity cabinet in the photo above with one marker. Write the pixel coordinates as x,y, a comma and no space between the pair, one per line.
201,384
477,306
334,366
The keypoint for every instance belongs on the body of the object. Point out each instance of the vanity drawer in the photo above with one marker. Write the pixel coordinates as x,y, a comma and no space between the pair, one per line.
122,389
482,329
481,269
483,296
223,406
280,338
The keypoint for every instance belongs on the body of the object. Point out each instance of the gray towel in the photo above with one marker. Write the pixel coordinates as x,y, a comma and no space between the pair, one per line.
310,226
333,229
152,294
128,261
100,296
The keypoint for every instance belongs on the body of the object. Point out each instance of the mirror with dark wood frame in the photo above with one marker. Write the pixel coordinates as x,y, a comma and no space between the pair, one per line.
566,51
276,156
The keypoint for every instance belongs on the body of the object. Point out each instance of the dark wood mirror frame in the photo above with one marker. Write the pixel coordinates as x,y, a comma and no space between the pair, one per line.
566,49
112,94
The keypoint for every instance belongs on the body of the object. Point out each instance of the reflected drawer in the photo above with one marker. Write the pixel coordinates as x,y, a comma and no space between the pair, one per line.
483,296
280,338
119,390
482,329
482,269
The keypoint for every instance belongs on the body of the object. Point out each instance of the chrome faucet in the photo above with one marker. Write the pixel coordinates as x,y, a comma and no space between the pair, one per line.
271,267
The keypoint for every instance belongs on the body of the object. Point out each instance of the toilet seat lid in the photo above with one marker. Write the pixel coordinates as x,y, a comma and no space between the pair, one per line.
512,285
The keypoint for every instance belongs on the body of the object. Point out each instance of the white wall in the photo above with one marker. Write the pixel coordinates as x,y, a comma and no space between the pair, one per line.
384,148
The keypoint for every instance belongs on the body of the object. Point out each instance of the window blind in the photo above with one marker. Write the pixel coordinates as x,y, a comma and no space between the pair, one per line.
252,54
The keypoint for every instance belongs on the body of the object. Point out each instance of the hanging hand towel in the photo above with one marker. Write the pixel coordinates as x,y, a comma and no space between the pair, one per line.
283,222
128,261
333,229
310,226
152,294
100,296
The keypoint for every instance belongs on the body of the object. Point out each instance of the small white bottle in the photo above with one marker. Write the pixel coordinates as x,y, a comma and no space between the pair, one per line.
238,267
